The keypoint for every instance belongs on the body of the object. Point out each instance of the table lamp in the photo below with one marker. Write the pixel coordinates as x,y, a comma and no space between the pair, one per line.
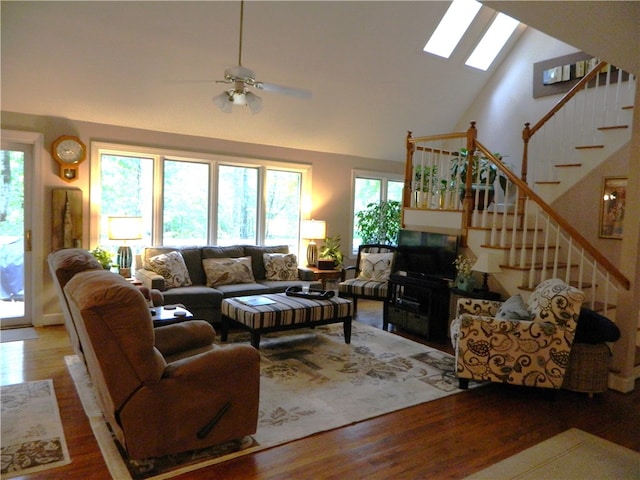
313,230
125,228
487,263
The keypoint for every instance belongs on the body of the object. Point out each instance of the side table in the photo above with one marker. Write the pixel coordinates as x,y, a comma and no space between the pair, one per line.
168,314
324,275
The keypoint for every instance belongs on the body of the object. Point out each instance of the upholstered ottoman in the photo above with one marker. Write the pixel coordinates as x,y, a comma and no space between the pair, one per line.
273,312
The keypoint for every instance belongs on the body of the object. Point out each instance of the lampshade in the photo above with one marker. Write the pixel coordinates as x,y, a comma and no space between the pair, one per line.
313,229
487,263
125,228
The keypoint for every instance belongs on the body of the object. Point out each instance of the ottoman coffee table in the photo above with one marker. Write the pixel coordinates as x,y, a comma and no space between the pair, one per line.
278,311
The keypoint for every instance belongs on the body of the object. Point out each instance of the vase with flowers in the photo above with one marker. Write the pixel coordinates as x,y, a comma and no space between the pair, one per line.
464,280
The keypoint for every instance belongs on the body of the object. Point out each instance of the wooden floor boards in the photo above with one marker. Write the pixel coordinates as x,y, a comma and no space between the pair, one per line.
448,438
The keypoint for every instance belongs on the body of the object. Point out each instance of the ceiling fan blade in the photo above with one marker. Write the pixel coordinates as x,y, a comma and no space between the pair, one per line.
294,92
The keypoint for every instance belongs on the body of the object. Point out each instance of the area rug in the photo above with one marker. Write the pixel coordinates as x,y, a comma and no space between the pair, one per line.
18,334
311,381
574,455
32,434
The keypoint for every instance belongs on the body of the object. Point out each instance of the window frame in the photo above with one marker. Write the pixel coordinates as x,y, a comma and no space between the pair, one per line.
159,155
385,178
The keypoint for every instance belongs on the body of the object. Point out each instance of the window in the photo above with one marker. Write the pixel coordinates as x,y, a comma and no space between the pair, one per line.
372,188
183,200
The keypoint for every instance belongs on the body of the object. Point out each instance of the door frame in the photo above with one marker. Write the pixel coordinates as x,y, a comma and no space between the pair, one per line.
34,260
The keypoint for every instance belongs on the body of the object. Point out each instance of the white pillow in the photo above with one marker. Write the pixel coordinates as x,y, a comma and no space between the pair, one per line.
375,266
172,267
228,271
280,266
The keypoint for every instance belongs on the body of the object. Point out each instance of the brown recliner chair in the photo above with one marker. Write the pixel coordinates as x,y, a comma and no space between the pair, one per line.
163,390
64,264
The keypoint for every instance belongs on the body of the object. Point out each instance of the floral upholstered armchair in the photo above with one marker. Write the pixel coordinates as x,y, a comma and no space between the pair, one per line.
517,343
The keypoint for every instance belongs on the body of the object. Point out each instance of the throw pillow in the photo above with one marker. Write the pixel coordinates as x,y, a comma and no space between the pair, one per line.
280,266
556,302
375,266
514,308
227,271
172,267
594,328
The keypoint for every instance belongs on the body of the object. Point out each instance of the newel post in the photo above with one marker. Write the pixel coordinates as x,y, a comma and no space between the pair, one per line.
408,171
467,203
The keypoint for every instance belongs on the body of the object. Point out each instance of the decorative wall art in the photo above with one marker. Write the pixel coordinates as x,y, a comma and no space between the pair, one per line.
66,218
612,205
558,75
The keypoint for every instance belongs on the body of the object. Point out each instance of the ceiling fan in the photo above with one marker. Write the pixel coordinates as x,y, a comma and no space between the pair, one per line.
242,78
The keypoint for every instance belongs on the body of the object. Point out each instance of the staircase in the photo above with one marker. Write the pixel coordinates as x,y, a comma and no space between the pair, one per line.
531,240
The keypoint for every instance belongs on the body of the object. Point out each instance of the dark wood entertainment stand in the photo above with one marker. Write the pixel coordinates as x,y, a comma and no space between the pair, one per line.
419,304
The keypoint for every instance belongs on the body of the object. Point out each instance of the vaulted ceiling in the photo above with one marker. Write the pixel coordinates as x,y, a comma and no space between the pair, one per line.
139,64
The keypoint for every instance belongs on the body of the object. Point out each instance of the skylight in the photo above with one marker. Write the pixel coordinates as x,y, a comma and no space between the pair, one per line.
486,51
452,27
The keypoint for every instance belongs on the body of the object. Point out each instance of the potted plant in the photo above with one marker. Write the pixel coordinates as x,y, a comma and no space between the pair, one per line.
426,180
331,251
483,174
464,280
103,257
379,223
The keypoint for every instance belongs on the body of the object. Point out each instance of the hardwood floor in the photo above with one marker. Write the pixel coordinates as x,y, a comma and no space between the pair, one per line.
448,438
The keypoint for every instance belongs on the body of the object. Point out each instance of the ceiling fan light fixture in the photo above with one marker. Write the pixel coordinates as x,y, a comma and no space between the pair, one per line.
223,102
254,102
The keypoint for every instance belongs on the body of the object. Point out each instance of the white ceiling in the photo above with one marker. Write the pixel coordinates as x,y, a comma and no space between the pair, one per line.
131,63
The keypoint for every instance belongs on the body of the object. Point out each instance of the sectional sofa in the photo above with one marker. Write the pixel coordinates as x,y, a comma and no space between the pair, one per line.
200,277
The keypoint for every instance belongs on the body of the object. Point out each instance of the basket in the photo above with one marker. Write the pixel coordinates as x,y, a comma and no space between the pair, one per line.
588,369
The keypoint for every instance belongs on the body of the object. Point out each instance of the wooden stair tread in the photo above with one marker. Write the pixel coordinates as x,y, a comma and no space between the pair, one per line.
565,165
519,247
586,147
537,266
549,182
627,107
613,127
599,306
573,284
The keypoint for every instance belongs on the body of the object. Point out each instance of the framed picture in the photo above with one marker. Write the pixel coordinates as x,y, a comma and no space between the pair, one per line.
612,205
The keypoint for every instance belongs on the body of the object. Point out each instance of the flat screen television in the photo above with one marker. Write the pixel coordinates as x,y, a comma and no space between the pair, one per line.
427,254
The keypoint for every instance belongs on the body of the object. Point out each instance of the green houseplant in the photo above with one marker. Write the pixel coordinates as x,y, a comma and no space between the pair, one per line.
331,250
379,223
104,257
483,174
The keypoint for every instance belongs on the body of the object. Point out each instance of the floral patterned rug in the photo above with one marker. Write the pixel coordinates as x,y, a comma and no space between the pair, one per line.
32,435
311,381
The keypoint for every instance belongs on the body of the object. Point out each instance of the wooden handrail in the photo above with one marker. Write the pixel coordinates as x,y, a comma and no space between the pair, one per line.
562,223
570,94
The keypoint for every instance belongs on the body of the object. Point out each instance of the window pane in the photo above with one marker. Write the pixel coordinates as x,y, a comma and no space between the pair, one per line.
127,190
186,203
394,191
283,208
367,190
237,205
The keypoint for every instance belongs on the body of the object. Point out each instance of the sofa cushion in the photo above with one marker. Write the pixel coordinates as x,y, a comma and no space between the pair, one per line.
514,308
280,266
257,261
375,266
232,251
172,267
227,271
191,255
556,302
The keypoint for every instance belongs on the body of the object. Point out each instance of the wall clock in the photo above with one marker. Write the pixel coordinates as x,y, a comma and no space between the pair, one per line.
69,152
